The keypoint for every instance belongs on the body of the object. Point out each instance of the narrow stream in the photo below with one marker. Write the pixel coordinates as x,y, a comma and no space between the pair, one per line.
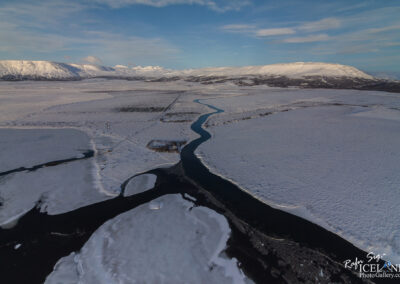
269,244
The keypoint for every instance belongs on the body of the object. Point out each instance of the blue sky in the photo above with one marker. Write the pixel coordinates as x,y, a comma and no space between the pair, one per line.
199,33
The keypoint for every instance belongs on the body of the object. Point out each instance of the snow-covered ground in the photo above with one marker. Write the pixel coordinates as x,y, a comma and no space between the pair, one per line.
118,137
30,147
329,156
19,100
44,122
60,188
140,247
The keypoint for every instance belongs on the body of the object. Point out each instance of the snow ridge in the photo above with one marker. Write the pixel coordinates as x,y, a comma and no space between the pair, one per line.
55,70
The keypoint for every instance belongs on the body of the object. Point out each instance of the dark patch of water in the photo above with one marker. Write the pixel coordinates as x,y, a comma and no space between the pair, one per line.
86,155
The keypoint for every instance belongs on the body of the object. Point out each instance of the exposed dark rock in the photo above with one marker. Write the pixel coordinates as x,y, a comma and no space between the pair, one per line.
166,145
324,82
140,109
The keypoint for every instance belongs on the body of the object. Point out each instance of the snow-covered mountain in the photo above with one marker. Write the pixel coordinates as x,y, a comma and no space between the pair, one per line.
53,70
25,69
45,69
291,70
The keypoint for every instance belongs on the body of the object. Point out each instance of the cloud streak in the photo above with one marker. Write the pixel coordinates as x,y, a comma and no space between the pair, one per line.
275,32
384,29
321,25
306,39
39,15
306,27
216,5
238,27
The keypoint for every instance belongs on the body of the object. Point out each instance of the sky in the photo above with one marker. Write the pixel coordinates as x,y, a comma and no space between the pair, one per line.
203,33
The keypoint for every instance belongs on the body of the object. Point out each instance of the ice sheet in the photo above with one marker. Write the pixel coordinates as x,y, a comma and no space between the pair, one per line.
140,183
176,243
30,147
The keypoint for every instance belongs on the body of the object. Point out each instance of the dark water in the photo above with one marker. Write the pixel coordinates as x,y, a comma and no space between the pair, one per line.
86,155
45,239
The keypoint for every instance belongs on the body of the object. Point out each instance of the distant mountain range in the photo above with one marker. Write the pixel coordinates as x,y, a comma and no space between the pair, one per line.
301,74
55,70
47,70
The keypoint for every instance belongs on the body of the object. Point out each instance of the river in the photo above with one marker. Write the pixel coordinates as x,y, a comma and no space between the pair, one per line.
271,245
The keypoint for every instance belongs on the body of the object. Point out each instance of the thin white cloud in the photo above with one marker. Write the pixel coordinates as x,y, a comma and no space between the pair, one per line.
323,24
274,32
372,40
217,5
309,38
384,29
237,27
307,27
245,29
252,30
353,7
39,15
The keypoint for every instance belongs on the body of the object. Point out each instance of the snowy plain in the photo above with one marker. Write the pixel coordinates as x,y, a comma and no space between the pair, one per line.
329,156
119,138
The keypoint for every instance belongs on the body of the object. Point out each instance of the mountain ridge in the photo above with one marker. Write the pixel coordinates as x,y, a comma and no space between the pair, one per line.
298,74
58,70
